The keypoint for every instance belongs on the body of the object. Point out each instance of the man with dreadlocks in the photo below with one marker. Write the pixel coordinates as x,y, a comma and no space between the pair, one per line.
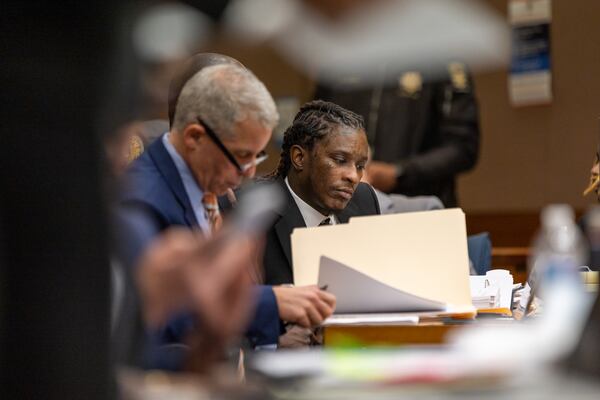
322,162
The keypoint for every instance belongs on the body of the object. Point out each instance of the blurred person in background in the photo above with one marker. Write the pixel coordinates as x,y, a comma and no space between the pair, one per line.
423,131
590,223
585,357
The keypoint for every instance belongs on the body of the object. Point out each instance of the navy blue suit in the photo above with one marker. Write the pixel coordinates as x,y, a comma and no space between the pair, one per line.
155,193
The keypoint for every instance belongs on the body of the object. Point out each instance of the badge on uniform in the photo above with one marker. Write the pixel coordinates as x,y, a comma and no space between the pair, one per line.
458,76
135,148
410,84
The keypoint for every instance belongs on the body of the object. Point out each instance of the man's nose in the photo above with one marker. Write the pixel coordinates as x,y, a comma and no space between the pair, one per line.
250,172
353,175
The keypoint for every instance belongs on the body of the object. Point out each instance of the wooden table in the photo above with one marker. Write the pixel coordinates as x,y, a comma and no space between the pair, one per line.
388,335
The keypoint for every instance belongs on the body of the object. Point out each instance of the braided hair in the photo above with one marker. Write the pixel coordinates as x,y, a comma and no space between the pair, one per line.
315,120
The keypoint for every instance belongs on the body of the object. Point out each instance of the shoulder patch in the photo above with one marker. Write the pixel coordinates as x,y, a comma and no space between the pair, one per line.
136,148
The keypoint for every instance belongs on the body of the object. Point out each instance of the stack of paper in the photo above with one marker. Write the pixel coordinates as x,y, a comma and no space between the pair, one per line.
485,296
388,263
492,293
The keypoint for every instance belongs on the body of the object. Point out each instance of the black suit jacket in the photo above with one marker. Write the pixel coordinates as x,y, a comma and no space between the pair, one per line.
278,250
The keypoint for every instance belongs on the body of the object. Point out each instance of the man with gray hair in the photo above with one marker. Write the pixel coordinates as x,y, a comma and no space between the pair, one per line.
223,120
222,111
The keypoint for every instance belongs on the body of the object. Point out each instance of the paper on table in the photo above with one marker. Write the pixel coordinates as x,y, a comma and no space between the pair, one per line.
500,284
422,253
466,312
484,295
356,292
372,319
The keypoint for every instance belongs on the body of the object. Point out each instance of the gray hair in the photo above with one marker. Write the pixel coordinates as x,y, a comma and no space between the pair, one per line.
223,95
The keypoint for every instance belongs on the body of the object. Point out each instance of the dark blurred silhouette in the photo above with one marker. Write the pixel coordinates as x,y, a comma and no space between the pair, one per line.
55,275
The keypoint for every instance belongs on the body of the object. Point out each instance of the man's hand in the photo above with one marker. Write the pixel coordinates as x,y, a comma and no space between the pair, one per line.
306,306
381,175
220,285
159,274
211,277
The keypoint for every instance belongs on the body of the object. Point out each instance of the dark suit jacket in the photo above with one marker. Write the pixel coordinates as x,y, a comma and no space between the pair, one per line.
155,193
278,250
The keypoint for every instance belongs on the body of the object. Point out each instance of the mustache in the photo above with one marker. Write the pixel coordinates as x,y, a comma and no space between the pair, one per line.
348,189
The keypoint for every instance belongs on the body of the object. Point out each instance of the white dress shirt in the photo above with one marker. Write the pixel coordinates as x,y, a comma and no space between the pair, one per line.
192,189
311,216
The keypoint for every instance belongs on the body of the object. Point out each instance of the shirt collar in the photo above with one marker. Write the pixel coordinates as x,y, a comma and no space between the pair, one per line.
180,163
192,188
311,216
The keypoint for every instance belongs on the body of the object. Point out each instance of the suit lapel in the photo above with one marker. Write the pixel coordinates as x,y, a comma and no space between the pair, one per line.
167,168
290,219
351,210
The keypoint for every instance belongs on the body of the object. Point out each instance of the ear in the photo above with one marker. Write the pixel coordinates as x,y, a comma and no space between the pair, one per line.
193,135
298,157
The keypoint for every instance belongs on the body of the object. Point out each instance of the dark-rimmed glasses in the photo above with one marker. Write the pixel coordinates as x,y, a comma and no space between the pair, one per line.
242,168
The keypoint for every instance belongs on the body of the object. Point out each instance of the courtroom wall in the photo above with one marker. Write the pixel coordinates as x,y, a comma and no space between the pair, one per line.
532,156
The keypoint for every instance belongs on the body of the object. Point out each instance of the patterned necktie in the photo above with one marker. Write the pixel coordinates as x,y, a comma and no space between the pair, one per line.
215,220
326,221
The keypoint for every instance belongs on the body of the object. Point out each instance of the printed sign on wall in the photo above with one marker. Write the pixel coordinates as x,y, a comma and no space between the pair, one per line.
530,80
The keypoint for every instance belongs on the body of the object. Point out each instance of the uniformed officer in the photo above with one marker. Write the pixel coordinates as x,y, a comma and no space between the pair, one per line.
422,131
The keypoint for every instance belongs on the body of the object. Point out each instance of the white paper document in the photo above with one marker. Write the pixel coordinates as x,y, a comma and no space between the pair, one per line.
493,290
358,293
372,319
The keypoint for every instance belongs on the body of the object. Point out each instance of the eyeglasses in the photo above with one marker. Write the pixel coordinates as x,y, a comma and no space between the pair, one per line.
242,168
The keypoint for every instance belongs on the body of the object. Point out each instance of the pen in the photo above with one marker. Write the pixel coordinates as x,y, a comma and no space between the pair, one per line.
324,287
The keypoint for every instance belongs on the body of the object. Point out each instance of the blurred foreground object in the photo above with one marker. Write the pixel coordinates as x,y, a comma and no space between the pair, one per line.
586,357
590,224
210,277
54,316
554,332
423,373
164,34
170,31
363,34
220,383
559,250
